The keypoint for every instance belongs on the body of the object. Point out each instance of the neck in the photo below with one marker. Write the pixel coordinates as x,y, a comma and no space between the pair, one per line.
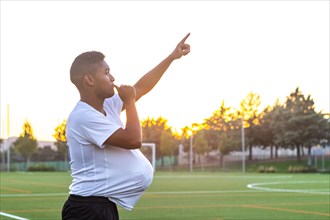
95,102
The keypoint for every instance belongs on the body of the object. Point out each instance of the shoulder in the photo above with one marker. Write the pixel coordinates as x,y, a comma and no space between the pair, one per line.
115,99
81,113
81,107
114,102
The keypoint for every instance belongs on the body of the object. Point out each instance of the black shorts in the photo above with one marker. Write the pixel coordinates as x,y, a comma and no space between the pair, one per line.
89,208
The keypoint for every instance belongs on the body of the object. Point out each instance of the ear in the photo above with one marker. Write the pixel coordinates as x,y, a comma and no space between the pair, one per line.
89,79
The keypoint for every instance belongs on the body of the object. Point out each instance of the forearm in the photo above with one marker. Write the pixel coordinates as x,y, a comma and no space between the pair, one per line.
129,137
150,79
133,126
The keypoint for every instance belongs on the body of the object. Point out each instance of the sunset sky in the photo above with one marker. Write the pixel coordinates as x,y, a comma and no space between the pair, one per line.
237,47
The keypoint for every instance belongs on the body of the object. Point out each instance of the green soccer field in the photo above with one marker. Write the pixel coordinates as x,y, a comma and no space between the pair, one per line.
205,196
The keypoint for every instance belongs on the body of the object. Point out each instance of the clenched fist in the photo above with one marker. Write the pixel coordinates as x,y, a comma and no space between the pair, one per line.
126,93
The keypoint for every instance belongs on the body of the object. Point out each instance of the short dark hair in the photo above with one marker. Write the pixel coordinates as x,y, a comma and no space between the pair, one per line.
85,63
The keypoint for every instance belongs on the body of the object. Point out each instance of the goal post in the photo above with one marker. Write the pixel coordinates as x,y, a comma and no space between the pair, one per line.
149,151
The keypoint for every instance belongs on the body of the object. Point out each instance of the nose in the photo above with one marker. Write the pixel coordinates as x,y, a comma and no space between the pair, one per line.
112,78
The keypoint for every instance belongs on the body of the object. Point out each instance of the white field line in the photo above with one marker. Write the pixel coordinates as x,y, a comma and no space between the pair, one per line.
199,192
146,193
310,191
220,177
252,186
12,216
168,192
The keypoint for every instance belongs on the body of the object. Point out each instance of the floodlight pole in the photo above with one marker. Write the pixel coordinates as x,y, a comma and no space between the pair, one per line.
191,153
8,135
243,146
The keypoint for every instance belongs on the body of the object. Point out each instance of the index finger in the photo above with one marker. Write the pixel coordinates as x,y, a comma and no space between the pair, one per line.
185,38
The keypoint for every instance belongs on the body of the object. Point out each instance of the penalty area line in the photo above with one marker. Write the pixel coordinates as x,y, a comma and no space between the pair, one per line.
12,216
257,186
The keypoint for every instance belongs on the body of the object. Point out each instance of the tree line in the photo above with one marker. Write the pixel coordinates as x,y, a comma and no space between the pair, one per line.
294,124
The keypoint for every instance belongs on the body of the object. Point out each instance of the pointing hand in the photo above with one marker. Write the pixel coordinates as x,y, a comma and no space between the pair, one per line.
182,49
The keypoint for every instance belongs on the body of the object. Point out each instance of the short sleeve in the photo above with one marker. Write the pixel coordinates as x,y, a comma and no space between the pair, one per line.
97,128
114,105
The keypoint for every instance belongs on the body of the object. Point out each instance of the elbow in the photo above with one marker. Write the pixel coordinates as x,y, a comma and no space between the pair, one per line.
135,140
135,144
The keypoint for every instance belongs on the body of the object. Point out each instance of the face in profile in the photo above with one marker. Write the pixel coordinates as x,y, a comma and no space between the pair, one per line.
104,85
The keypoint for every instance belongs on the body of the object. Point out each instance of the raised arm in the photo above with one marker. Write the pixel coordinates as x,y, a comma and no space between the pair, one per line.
150,79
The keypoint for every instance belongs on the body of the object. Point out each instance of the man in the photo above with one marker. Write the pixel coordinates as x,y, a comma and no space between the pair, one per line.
107,166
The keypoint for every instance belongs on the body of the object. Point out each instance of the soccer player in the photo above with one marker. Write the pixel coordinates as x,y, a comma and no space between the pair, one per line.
107,167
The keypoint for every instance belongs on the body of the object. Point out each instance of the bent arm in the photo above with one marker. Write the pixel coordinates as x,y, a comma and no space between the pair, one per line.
129,137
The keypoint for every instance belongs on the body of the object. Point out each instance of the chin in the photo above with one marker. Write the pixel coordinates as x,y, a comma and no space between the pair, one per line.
111,94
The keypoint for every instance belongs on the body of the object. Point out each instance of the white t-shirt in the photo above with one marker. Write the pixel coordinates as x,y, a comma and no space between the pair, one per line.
100,170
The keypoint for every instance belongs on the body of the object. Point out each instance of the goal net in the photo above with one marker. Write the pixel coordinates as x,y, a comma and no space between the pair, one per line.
149,151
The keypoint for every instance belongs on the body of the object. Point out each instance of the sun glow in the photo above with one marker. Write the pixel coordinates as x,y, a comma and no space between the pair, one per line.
245,47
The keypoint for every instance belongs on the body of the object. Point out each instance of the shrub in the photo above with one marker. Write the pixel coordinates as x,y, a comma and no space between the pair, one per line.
263,169
301,169
271,169
40,167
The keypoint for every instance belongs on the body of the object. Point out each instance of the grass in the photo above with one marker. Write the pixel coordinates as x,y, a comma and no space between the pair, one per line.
280,165
181,195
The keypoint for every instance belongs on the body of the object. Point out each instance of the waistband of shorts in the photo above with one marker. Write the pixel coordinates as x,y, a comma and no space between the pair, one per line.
89,199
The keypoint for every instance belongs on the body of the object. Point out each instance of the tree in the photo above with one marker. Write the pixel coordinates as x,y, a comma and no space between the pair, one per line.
201,146
222,130
26,143
216,124
218,121
226,144
265,131
61,143
167,146
185,140
304,125
249,110
44,154
326,130
278,126
152,130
